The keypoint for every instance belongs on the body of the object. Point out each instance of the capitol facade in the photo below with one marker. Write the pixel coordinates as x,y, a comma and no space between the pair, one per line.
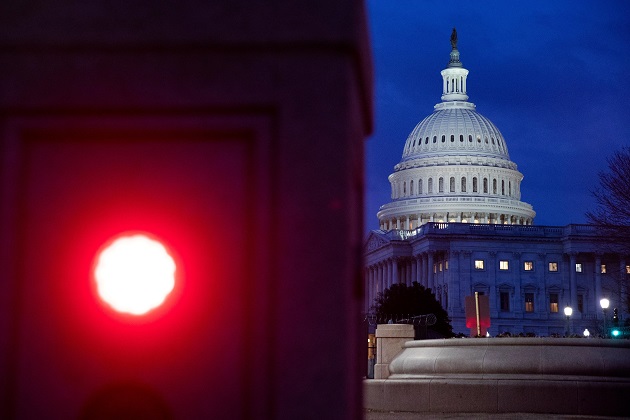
457,224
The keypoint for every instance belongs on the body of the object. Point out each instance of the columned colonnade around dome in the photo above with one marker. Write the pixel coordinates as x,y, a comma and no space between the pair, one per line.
411,222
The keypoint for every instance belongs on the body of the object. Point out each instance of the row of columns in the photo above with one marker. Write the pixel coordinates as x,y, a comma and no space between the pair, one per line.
414,221
396,270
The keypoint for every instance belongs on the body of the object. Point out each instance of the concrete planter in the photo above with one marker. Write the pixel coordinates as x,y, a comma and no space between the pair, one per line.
503,375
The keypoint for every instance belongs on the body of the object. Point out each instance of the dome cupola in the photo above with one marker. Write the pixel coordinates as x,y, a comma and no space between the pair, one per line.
455,166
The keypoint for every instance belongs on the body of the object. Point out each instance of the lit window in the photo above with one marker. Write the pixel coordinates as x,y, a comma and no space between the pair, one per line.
478,264
446,265
434,268
440,266
553,266
529,302
553,302
528,265
627,269
578,267
503,265
603,269
505,302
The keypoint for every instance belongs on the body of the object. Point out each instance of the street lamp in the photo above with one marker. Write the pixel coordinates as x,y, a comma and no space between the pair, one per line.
567,312
604,303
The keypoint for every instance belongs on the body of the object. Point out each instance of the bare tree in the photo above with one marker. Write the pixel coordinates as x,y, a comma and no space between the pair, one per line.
612,214
612,217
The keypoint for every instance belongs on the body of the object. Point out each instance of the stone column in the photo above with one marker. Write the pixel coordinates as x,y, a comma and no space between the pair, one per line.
389,341
573,280
414,270
430,279
390,273
598,282
395,273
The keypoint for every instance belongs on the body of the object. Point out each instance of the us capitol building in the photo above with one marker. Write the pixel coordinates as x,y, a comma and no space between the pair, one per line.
456,224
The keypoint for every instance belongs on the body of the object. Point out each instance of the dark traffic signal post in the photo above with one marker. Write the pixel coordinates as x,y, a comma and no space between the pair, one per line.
230,132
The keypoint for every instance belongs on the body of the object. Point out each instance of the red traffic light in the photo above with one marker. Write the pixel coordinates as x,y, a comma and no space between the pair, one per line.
134,273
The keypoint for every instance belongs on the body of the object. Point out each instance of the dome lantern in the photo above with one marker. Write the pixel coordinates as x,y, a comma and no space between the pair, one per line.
454,75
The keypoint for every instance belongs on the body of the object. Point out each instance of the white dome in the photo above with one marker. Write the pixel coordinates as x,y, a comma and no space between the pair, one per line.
455,167
456,129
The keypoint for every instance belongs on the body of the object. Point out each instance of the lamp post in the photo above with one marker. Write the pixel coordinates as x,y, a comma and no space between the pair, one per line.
604,303
567,312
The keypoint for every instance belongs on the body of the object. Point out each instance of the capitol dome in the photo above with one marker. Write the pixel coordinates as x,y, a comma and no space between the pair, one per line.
455,166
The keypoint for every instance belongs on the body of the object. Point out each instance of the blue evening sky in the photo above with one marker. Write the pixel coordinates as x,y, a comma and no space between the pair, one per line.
553,76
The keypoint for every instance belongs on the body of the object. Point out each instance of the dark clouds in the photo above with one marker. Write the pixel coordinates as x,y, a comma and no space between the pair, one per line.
551,75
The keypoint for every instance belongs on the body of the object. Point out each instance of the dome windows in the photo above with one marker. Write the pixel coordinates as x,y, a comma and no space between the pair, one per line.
461,138
434,139
426,141
470,138
452,138
443,138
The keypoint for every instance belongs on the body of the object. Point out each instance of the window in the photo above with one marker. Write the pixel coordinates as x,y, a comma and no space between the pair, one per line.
505,301
553,302
553,266
502,187
452,184
485,185
461,138
578,267
463,184
404,188
603,269
470,138
430,186
420,186
443,138
434,139
528,265
479,265
529,302
503,265
426,141
411,187
580,303
441,185
452,138
475,184
494,186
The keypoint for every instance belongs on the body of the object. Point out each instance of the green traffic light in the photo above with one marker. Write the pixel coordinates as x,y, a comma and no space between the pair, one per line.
615,333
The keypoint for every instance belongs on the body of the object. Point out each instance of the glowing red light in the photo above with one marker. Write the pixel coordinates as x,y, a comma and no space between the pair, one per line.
134,274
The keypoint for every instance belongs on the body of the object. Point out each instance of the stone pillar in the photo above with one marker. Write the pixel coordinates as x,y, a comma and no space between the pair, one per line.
418,277
395,274
389,341
598,282
430,279
414,270
573,280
